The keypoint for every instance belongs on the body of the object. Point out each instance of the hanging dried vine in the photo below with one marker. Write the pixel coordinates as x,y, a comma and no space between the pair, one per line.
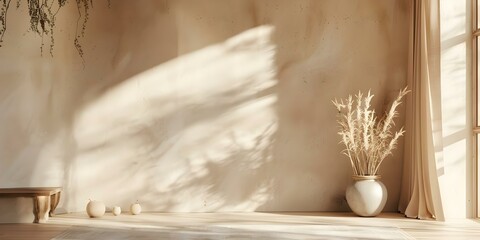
43,14
3,18
82,7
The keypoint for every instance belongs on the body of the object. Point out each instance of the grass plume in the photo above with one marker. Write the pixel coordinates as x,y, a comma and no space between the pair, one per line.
368,139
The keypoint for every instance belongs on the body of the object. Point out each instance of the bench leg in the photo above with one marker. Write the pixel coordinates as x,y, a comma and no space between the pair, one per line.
41,206
54,199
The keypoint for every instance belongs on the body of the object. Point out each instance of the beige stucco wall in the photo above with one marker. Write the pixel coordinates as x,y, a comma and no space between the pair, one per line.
199,105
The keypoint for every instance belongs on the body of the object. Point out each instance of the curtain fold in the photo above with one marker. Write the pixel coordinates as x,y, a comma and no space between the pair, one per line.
420,193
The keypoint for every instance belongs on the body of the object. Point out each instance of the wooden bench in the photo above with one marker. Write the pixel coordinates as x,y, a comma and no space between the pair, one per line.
45,199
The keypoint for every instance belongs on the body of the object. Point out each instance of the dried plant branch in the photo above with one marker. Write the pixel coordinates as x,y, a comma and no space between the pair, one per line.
42,15
4,6
367,140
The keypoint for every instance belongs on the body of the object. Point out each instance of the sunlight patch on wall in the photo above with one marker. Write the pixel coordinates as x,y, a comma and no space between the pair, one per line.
192,134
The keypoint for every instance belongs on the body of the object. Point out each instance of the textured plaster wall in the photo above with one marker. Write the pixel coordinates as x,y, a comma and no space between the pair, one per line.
199,105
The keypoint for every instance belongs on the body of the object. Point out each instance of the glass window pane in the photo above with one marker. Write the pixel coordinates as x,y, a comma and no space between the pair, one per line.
477,81
477,137
454,18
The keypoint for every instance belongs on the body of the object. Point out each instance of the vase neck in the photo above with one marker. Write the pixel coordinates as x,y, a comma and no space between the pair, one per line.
366,177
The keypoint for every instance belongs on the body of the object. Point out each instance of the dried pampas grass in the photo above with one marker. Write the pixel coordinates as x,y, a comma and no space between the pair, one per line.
367,139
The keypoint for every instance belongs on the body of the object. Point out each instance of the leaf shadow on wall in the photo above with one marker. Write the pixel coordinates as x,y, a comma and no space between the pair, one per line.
185,141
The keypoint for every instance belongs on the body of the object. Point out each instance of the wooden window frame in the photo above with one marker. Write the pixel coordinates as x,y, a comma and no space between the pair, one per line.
475,98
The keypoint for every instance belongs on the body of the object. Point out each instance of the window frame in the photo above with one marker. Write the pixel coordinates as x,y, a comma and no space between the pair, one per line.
475,37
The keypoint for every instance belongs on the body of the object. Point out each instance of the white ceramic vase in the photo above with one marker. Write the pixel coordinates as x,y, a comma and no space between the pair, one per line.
366,196
135,208
95,209
116,210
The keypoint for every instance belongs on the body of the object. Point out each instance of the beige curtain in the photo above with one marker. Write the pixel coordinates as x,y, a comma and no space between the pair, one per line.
420,196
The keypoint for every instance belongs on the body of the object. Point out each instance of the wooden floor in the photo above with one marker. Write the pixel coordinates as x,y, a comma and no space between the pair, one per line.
242,225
